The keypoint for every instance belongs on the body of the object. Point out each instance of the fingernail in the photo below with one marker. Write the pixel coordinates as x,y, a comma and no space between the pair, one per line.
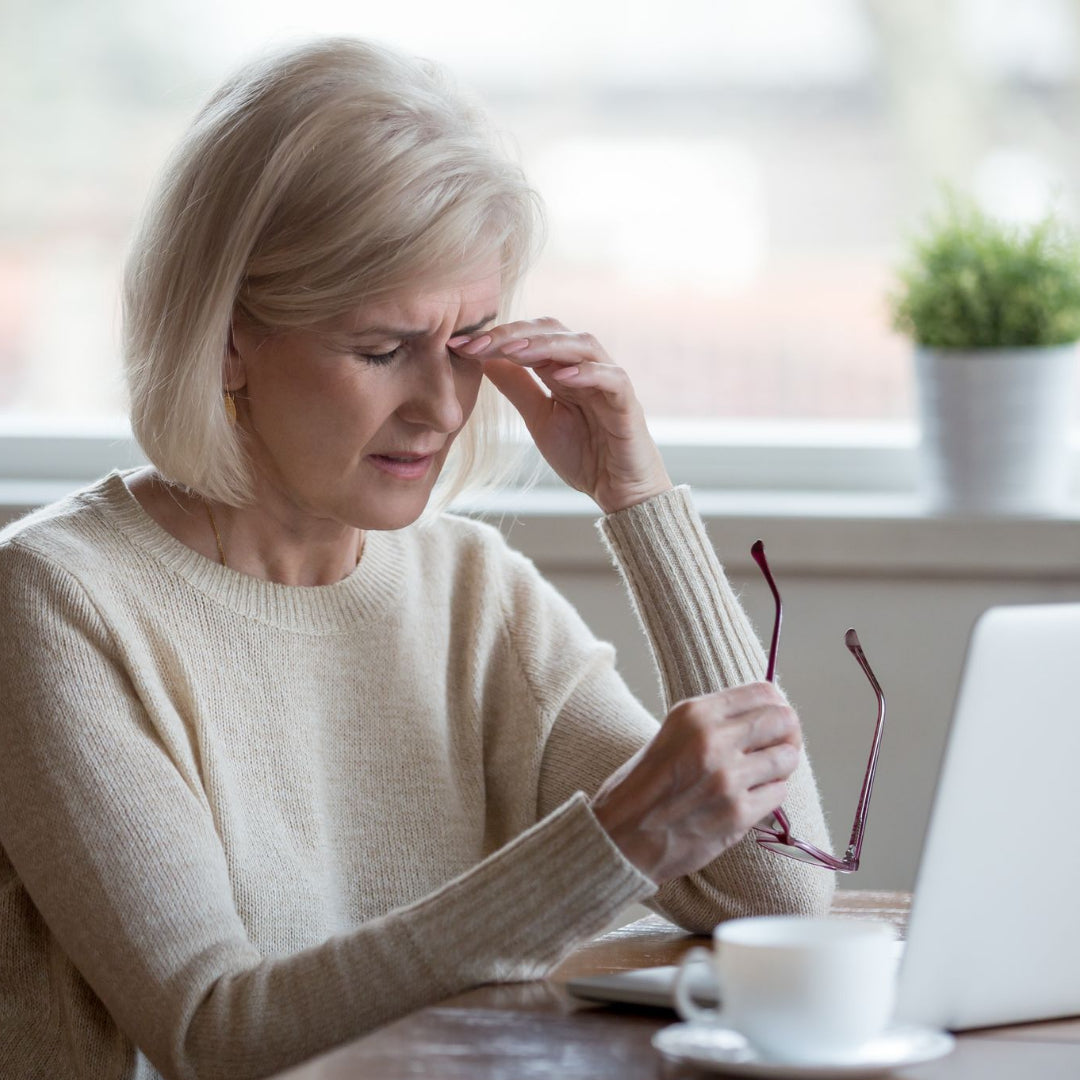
565,373
456,342
516,346
477,344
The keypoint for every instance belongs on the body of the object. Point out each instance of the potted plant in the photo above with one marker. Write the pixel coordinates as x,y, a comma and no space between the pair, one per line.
994,312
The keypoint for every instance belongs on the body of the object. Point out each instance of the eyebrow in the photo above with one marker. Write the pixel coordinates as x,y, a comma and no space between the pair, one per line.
405,333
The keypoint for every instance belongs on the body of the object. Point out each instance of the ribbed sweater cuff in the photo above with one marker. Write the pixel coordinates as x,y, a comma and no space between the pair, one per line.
702,639
519,912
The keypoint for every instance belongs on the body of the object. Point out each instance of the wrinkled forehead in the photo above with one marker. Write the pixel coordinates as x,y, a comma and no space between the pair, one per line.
428,309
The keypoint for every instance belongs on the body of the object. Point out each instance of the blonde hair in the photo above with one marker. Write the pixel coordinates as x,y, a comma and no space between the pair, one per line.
313,181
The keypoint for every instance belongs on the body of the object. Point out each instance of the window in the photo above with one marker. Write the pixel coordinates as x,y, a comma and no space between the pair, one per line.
727,183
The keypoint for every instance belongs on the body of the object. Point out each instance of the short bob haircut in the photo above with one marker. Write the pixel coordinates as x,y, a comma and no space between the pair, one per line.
313,181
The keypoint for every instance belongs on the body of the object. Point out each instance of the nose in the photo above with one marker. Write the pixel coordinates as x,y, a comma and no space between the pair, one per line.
432,398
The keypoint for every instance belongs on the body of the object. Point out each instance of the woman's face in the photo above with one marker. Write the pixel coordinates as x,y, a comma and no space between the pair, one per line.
350,421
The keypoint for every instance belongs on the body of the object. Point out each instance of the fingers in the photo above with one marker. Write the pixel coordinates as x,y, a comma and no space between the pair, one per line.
532,343
772,725
741,699
763,715
609,379
495,340
745,737
763,801
719,764
579,407
769,766
562,347
569,368
563,360
519,388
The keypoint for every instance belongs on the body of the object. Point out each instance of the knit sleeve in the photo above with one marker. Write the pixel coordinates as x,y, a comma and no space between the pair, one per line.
119,855
702,641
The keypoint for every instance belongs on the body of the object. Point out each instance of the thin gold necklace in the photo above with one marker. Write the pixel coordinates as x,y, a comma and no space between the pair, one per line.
221,546
217,535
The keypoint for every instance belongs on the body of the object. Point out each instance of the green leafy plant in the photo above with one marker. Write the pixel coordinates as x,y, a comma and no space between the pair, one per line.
973,282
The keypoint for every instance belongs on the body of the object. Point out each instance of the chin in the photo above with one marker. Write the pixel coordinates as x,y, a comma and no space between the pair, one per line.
388,514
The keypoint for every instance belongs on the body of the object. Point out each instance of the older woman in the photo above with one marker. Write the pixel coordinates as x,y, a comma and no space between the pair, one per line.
281,760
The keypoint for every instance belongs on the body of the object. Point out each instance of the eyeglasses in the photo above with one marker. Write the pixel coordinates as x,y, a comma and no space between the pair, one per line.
776,836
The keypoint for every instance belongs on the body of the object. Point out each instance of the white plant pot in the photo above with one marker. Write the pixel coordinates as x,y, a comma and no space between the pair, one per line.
995,428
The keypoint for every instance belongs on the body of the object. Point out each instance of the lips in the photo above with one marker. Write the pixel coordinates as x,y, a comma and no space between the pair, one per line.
405,464
407,455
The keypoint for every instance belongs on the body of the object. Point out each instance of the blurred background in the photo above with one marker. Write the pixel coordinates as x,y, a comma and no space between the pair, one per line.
729,188
728,184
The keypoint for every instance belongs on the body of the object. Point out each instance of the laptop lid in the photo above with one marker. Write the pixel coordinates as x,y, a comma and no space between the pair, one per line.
994,935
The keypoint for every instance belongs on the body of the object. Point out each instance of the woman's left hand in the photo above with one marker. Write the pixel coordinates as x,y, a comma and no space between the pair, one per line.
589,424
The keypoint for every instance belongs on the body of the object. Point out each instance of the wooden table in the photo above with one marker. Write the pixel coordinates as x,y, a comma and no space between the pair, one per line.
529,1031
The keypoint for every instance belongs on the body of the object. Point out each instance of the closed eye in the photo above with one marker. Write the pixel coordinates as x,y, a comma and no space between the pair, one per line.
380,358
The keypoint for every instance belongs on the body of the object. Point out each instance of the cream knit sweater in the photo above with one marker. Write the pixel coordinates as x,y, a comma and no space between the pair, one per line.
243,822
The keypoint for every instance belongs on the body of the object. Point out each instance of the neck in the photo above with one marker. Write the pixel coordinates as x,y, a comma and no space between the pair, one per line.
253,542
267,540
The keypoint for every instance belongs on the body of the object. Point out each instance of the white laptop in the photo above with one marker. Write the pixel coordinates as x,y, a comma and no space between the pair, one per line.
994,934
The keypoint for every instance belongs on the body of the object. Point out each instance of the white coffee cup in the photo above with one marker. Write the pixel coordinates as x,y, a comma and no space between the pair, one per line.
809,991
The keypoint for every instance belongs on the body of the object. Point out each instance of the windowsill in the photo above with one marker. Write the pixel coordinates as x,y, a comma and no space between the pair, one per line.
811,533
826,533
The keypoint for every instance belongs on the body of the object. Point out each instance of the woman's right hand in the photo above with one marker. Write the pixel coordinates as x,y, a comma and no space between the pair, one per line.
718,766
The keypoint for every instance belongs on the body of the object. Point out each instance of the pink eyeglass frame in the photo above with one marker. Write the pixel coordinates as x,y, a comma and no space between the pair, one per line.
776,837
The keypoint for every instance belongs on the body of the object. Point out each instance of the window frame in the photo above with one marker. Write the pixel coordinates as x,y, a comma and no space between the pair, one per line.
803,459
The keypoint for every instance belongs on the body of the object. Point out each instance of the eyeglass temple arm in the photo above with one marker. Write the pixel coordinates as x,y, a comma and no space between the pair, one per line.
854,849
757,550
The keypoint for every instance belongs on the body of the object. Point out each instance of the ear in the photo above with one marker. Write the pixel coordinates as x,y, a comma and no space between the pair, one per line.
234,370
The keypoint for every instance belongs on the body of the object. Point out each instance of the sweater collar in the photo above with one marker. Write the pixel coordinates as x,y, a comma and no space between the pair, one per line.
368,591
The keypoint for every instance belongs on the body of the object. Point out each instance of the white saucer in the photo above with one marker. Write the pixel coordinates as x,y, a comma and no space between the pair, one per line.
725,1051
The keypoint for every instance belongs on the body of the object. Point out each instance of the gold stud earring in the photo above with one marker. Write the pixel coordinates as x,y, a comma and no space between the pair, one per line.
230,407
